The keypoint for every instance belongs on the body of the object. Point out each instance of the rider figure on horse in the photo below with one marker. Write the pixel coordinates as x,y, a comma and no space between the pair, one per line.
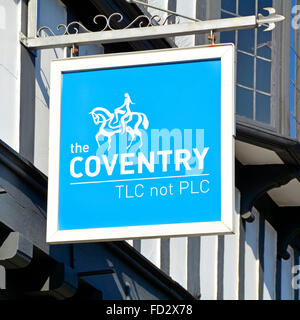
126,114
120,121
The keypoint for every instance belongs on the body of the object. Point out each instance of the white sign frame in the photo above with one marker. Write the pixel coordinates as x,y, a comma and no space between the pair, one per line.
227,55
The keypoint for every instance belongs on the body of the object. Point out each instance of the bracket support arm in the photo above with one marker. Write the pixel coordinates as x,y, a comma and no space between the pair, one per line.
151,31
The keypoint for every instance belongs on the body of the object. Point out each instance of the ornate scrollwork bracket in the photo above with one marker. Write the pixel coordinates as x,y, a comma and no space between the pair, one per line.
113,22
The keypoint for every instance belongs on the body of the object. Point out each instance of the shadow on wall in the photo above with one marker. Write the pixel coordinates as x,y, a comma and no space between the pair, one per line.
42,78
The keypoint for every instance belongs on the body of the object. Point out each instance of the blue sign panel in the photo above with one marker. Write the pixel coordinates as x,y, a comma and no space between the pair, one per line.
139,147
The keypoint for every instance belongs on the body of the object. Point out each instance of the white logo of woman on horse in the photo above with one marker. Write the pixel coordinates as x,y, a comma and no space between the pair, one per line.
123,120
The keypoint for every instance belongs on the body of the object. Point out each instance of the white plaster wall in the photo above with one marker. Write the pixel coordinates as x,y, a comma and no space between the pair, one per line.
10,22
150,248
209,267
186,8
251,271
178,260
159,4
287,292
270,254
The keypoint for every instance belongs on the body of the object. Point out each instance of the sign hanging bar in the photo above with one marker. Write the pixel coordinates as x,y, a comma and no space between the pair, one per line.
148,28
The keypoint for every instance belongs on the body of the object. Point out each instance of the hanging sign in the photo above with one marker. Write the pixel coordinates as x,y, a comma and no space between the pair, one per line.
141,145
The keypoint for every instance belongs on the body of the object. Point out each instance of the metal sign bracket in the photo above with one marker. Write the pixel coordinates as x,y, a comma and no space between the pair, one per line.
141,28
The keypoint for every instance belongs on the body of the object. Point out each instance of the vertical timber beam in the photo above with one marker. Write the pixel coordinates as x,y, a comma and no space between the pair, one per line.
27,82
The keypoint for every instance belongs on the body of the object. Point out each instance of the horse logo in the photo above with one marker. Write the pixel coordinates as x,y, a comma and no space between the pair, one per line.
121,121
